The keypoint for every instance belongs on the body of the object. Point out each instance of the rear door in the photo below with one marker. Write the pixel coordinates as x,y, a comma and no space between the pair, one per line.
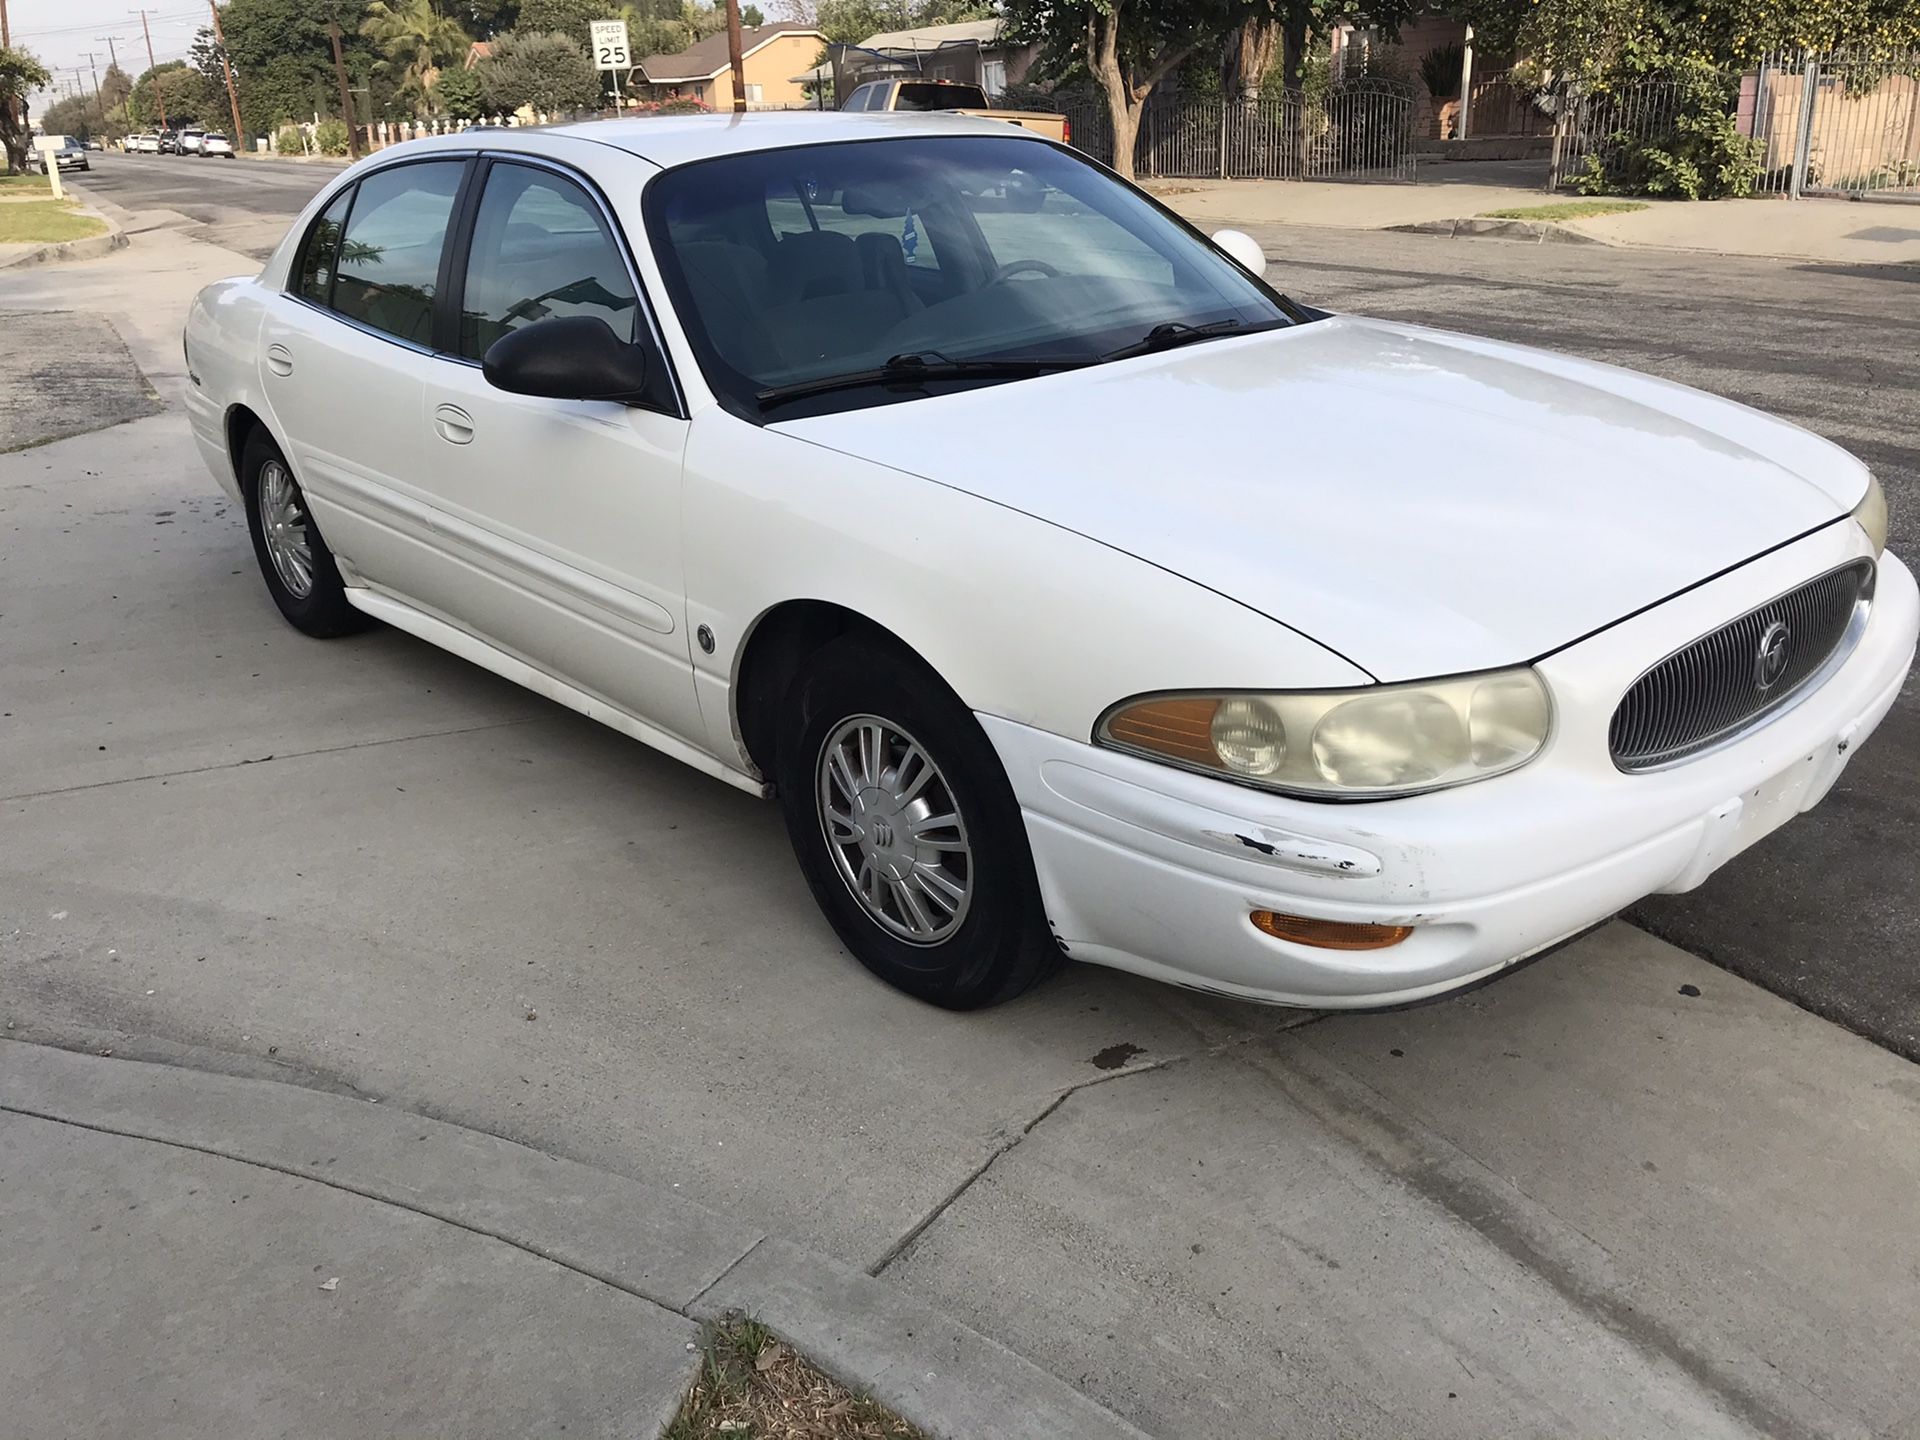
344,355
564,514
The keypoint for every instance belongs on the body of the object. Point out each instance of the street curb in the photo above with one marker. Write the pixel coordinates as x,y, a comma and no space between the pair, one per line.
1535,232
91,248
945,1377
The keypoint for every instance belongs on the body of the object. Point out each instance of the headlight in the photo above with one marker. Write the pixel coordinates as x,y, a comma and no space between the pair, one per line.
1373,743
1871,512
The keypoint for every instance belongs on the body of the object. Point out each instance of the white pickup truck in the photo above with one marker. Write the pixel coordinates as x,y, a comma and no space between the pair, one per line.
923,95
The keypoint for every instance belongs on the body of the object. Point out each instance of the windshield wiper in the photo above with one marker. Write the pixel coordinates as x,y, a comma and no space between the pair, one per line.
922,365
1175,333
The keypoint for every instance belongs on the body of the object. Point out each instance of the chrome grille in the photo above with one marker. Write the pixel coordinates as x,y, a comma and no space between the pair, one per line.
1721,683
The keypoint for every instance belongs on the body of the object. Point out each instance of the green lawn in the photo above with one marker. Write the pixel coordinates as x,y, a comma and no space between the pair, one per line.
12,184
1565,210
41,222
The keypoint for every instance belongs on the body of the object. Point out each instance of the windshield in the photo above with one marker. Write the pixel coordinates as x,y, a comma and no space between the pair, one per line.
793,266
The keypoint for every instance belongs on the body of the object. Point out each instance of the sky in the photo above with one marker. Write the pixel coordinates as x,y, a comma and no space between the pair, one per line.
61,32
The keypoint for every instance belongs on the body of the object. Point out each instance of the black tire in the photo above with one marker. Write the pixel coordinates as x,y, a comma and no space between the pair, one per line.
1002,945
323,610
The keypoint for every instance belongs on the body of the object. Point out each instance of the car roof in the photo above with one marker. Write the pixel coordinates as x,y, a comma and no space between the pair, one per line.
668,140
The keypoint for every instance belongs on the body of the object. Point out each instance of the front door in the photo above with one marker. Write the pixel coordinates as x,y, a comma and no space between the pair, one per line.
565,513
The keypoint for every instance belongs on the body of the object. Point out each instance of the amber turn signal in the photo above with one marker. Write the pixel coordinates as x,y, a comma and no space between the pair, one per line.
1328,934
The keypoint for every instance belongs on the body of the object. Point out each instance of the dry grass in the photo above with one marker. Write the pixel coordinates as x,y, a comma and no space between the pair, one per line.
41,222
1566,210
752,1387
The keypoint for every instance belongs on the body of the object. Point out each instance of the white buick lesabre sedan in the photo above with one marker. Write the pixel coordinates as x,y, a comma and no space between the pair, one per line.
1077,593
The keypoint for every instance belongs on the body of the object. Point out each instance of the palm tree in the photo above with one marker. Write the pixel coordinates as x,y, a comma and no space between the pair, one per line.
416,39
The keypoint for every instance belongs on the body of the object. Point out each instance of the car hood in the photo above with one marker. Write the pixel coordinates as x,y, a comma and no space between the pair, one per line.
1421,502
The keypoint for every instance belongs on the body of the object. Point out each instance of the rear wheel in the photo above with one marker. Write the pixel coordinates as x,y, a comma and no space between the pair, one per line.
294,559
907,829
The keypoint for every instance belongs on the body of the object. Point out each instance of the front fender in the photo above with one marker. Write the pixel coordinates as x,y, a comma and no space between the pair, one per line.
1023,619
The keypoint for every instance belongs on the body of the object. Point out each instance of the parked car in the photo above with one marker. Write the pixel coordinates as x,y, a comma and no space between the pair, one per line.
215,144
916,96
169,142
68,154
190,141
1070,586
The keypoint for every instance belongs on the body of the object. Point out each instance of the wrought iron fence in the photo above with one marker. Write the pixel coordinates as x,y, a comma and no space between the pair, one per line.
1353,132
1836,122
1596,130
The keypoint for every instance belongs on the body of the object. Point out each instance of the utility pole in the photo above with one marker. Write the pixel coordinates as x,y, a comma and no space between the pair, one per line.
233,95
346,100
158,95
95,69
6,43
733,55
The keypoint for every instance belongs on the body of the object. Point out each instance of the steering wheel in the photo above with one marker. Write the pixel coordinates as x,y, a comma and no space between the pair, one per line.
1017,267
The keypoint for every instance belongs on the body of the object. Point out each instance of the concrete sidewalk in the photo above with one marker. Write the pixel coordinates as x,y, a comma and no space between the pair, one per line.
1836,231
194,1254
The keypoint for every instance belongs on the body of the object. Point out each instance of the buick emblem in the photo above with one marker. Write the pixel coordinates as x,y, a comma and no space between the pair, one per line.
1770,661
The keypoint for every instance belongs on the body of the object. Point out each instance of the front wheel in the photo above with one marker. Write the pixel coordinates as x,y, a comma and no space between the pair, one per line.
907,830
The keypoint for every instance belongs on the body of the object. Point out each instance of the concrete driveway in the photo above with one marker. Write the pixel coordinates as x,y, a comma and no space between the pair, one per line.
1620,1193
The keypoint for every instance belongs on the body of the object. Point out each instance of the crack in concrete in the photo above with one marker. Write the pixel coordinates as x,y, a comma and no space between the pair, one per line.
940,1207
267,759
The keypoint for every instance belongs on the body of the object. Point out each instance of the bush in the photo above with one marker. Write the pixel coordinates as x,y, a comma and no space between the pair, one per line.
1702,157
1440,68
550,73
459,92
683,107
288,141
330,137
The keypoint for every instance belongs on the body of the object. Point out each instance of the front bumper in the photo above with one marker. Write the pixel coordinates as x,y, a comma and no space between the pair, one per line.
1154,870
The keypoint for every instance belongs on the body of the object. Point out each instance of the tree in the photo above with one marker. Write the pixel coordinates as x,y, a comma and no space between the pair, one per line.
187,94
549,72
115,86
1131,46
848,22
459,91
564,17
752,18
20,75
282,45
416,40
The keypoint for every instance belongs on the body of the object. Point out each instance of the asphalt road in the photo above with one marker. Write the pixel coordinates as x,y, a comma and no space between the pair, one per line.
1822,912
243,203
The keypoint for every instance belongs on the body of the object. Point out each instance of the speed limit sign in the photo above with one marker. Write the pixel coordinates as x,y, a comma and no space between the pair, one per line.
610,45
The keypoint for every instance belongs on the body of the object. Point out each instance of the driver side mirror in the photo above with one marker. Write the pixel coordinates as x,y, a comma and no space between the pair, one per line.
1243,250
572,357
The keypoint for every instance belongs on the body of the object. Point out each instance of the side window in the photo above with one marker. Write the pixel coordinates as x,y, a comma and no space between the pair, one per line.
868,97
390,256
540,248
313,276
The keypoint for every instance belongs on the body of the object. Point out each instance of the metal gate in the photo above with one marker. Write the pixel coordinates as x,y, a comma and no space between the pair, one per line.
1835,122
1353,132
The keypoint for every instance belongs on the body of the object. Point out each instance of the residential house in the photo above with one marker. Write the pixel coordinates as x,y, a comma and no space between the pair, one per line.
771,55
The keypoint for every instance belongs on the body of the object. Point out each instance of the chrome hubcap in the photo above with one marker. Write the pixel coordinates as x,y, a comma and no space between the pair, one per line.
894,830
283,525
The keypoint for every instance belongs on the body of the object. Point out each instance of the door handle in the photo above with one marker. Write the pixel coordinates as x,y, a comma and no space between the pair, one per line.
454,424
279,359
